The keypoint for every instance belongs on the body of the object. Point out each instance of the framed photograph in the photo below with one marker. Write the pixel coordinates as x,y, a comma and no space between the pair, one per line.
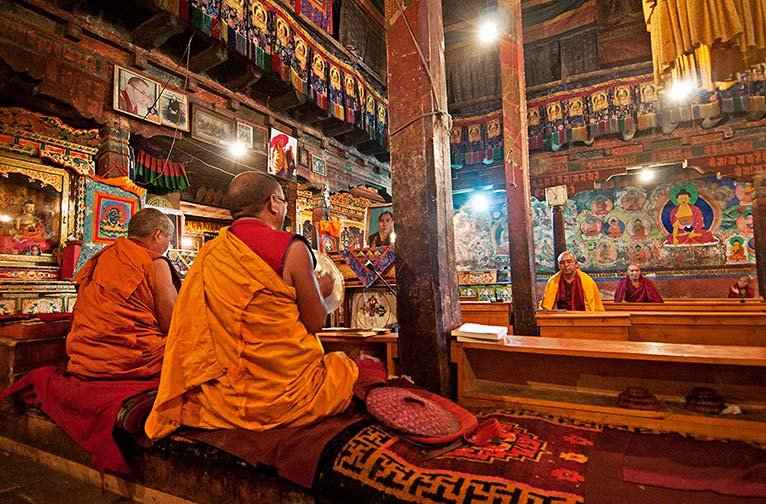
111,216
136,95
379,225
303,157
174,110
245,135
211,127
283,150
318,165
34,210
178,223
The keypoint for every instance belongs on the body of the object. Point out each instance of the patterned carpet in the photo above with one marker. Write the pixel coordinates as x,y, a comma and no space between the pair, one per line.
536,460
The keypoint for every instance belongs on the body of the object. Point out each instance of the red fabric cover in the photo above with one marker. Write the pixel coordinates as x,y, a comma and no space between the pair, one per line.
578,297
646,292
86,409
371,374
45,317
270,245
409,413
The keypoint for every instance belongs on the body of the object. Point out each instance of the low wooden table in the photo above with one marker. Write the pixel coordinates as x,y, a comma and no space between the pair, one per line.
383,346
588,325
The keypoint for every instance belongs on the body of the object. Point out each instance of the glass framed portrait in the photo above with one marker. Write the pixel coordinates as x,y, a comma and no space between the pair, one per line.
379,226
136,95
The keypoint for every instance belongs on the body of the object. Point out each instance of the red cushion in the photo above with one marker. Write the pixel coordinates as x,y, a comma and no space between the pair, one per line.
408,412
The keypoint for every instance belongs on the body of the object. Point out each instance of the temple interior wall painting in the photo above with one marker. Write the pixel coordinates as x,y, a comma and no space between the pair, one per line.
679,227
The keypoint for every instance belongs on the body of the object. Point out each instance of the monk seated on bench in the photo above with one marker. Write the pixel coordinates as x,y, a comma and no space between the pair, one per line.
241,350
635,288
126,296
570,288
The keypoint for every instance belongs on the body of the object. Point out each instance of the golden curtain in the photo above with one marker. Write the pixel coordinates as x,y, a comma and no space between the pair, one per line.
705,41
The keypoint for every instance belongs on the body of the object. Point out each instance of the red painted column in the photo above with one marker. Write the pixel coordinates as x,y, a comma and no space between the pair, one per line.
521,247
559,234
759,236
428,301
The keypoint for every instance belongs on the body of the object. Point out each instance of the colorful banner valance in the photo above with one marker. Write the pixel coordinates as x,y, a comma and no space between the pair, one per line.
622,106
160,176
270,37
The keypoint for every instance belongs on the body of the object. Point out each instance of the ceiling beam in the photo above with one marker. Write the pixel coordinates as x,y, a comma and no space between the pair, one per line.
157,30
214,55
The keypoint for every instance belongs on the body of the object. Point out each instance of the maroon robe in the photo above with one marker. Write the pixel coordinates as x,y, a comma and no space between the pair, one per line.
577,299
736,292
646,292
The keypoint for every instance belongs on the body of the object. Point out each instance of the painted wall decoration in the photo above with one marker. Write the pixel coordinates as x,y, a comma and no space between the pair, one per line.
111,215
676,223
108,192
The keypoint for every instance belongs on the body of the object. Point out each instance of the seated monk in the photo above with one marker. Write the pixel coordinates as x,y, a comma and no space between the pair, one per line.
634,288
742,288
125,299
241,352
578,291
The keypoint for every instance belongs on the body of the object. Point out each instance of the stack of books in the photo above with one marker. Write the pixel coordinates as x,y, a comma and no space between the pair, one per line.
480,333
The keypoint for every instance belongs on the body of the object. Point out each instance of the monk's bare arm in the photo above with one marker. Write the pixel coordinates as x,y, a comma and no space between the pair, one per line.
164,294
298,271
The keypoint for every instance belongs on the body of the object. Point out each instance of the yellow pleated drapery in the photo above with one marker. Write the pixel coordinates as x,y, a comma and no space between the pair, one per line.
705,41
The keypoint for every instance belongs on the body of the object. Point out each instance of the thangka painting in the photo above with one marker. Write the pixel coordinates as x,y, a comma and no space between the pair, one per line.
283,152
675,224
106,210
112,214
373,308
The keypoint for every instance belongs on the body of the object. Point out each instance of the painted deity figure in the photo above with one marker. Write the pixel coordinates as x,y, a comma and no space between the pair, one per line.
687,222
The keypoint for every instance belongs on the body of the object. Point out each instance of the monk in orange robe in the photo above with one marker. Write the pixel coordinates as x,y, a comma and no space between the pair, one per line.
125,300
241,352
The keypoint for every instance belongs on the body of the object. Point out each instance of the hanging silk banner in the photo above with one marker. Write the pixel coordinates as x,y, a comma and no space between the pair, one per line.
234,25
299,75
349,98
205,16
318,12
336,93
318,78
281,57
259,48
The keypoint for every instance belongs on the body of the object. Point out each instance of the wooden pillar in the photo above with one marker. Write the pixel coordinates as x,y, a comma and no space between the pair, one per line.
559,234
759,236
427,303
113,158
517,168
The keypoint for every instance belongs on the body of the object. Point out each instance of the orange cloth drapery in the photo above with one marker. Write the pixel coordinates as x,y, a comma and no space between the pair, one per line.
237,354
705,41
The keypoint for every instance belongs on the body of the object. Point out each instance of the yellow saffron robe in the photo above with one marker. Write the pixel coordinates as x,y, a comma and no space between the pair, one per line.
591,295
237,355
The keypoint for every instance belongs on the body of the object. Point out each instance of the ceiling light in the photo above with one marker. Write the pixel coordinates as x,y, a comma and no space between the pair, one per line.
488,31
646,176
479,203
237,149
680,90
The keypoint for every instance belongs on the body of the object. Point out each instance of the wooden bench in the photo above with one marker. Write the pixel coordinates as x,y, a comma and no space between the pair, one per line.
592,325
482,312
581,379
696,327
687,305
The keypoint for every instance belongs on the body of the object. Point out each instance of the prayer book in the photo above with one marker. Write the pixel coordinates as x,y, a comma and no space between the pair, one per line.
502,341
347,332
481,332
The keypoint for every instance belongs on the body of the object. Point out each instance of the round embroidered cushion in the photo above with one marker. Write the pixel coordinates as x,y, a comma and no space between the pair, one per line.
410,413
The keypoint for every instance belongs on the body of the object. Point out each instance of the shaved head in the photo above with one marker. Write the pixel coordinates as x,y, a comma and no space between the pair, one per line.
147,221
249,192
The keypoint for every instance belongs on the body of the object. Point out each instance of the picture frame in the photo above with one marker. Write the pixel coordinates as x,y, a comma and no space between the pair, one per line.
371,216
111,215
211,127
245,134
34,212
283,149
318,165
136,95
174,110
303,157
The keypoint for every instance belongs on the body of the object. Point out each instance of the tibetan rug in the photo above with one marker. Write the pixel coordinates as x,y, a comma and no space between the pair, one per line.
537,459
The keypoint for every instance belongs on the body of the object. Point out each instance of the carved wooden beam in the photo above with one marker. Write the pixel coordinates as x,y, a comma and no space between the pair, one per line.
157,30
287,101
370,148
214,55
252,75
356,136
336,128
